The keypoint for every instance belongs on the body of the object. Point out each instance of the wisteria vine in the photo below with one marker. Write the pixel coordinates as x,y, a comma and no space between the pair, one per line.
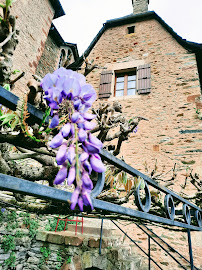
78,152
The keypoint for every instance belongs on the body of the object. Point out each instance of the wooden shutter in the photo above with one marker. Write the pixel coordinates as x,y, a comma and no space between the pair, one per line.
144,79
105,84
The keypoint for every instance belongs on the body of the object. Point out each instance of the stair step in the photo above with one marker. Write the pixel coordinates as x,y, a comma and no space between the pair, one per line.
88,230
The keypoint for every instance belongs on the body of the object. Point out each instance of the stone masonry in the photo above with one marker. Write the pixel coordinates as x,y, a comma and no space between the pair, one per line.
140,6
170,107
49,59
34,21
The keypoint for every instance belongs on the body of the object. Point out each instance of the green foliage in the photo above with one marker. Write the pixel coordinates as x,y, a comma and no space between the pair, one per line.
7,86
52,223
11,219
1,217
59,259
45,254
15,71
46,114
11,260
8,118
68,260
31,224
9,2
8,243
19,234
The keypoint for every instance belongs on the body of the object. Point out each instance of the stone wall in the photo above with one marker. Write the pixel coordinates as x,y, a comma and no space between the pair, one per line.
49,59
170,106
23,248
34,21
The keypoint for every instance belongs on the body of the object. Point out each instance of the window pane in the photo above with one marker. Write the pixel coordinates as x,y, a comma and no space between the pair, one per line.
119,93
132,78
132,84
120,86
130,92
119,79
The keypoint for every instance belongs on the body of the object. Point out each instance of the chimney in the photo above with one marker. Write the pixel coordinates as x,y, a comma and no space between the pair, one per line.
140,6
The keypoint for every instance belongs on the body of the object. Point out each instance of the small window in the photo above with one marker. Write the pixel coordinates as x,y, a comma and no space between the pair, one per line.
125,84
131,29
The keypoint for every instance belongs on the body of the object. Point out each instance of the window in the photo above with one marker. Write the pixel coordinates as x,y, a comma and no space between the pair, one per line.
131,29
125,84
128,82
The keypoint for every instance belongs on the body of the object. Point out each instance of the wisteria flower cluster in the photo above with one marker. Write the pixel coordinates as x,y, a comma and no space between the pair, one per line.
78,152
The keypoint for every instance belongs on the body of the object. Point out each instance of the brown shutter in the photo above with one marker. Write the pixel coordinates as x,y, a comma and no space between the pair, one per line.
105,84
144,79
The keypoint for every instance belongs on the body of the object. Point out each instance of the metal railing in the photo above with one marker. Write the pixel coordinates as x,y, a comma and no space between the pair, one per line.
170,251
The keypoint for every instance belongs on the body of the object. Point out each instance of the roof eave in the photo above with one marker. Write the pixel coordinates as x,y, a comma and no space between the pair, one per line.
59,11
190,46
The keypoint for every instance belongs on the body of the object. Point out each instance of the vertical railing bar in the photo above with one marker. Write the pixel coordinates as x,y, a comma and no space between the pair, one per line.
101,231
190,249
149,252
162,247
167,244
136,244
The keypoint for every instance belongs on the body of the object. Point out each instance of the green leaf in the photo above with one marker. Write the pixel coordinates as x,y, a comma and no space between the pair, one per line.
2,6
125,178
46,114
7,118
14,123
142,183
9,2
7,86
15,71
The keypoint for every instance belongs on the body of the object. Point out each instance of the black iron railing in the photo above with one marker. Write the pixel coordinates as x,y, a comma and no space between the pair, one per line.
191,213
170,251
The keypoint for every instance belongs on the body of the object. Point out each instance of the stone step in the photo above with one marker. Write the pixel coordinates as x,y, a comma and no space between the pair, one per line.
69,238
95,222
88,230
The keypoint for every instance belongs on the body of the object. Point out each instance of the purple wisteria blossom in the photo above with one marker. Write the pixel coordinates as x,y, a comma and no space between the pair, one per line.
135,129
78,152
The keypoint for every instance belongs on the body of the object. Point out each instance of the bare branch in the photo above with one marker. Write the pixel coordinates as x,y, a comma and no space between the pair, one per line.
17,78
6,40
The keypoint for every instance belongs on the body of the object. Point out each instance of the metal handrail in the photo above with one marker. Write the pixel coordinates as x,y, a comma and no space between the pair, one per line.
136,244
151,237
172,249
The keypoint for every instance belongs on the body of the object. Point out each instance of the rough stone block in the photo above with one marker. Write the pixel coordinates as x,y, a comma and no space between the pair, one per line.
33,260
87,260
74,240
77,262
4,257
19,267
41,236
55,238
95,243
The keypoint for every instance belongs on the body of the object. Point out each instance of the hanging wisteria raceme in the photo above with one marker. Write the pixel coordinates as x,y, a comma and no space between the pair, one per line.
78,152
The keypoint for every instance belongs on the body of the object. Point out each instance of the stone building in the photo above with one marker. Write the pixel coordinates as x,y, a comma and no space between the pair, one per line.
41,49
156,74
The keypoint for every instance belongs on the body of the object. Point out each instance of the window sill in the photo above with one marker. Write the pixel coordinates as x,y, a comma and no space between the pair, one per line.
125,97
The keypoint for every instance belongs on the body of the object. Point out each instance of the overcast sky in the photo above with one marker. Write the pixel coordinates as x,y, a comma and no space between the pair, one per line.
84,18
